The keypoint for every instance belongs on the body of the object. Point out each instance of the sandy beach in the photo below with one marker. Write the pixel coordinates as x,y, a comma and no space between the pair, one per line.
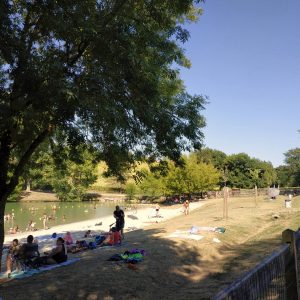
134,220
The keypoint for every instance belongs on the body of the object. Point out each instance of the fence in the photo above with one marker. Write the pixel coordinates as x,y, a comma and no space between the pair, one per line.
251,192
276,277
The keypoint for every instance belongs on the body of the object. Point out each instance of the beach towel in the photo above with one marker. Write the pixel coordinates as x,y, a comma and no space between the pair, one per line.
131,256
24,274
185,236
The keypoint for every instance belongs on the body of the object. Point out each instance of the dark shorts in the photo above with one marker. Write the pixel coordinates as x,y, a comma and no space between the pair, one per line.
119,225
60,258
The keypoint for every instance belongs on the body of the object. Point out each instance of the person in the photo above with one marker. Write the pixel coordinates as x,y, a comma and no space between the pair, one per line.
113,238
45,219
57,255
186,207
88,234
68,238
11,255
32,226
120,221
14,230
30,248
157,207
80,245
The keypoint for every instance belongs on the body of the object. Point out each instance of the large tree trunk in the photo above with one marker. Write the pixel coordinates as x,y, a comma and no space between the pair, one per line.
5,146
8,184
2,210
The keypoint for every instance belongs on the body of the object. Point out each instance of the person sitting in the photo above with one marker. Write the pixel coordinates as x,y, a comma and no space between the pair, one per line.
88,234
79,246
68,238
13,252
29,249
57,255
113,238
29,252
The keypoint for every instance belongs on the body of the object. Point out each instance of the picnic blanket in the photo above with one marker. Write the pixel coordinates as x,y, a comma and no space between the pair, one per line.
23,274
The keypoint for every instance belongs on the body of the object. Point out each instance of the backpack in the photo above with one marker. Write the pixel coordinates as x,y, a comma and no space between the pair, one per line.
92,245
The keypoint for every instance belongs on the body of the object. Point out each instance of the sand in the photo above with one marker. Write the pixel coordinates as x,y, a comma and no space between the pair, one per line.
134,220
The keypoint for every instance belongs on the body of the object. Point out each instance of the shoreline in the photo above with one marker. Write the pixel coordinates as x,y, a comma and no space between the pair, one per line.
134,220
33,196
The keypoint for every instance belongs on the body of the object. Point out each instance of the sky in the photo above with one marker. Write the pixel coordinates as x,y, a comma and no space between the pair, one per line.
245,57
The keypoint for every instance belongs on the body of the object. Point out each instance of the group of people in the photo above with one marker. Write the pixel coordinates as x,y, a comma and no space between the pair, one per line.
9,217
18,253
30,250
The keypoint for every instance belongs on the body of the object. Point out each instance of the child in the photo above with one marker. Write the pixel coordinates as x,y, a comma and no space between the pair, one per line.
12,253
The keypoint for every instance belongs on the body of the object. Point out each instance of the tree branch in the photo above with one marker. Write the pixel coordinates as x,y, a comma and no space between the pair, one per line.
84,44
24,159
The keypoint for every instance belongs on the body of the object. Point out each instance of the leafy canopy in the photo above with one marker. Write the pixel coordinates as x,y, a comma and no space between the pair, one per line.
102,72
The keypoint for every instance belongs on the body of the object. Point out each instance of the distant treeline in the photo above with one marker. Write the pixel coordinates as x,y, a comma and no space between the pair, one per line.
199,172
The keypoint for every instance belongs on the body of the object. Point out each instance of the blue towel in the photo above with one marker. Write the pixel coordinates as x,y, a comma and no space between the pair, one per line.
23,274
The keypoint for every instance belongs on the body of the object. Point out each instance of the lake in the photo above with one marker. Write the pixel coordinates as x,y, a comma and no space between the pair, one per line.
59,213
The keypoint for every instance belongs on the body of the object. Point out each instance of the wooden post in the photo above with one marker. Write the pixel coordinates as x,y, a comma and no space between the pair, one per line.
225,202
290,265
255,190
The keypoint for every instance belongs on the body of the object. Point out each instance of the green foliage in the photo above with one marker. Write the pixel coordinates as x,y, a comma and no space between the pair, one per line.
16,194
246,172
289,175
103,73
191,177
152,184
212,156
130,190
285,177
68,178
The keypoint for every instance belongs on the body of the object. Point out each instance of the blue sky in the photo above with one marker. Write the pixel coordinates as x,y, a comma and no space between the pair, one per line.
245,57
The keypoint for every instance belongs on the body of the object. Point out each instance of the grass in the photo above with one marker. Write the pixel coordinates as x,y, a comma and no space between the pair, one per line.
251,234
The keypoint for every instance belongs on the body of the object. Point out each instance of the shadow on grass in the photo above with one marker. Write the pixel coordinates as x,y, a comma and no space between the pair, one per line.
171,270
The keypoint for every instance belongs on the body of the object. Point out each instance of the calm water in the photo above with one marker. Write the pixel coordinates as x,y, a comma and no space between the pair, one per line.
64,213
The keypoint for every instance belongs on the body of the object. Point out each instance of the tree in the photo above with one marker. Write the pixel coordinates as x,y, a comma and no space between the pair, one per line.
130,190
103,72
152,184
246,172
238,166
290,174
68,174
284,176
216,157
193,177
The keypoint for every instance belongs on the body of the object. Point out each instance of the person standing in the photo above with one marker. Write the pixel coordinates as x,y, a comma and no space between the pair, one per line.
186,206
12,252
45,219
157,208
120,220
